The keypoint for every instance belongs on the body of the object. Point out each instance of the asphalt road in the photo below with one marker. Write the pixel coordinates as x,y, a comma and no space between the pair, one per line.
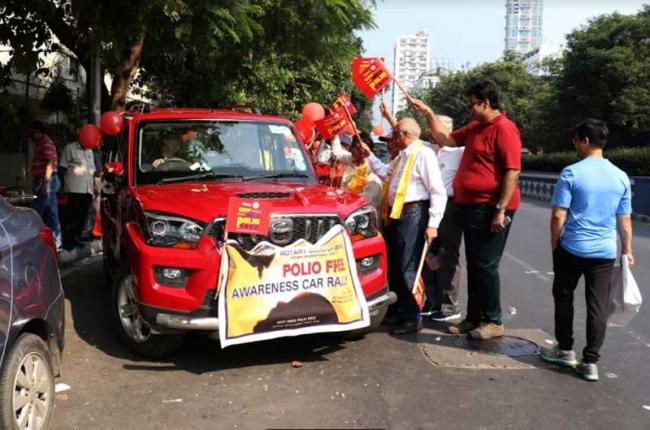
377,382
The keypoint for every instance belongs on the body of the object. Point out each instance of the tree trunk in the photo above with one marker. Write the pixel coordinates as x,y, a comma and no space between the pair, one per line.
125,72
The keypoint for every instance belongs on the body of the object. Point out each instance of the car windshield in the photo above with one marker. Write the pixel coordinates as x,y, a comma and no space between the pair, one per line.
177,151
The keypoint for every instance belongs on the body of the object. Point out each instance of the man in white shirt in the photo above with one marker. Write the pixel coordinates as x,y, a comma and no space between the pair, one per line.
77,165
422,197
442,276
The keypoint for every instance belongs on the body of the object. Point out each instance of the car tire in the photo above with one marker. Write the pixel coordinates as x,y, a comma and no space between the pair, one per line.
132,329
27,385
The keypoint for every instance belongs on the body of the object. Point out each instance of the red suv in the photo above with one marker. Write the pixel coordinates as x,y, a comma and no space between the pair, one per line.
168,178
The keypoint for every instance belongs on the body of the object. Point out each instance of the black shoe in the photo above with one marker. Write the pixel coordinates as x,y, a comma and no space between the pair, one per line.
407,327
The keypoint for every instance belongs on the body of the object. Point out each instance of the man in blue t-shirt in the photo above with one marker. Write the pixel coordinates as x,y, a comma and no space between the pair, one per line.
590,197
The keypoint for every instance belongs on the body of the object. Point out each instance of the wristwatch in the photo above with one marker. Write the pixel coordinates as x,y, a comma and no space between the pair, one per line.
501,206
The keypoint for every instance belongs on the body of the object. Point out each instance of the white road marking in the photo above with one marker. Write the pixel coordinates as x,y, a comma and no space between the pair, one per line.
527,267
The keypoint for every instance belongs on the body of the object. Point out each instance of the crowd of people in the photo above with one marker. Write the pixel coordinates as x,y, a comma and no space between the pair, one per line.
459,186
462,185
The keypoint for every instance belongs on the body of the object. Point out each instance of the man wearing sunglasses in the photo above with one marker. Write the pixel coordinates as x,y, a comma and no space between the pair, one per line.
485,189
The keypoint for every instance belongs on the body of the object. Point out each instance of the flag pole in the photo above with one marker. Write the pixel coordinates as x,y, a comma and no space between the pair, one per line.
425,249
404,90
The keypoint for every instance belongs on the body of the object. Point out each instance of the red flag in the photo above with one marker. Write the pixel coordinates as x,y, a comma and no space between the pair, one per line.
248,216
333,124
419,292
370,75
419,289
343,100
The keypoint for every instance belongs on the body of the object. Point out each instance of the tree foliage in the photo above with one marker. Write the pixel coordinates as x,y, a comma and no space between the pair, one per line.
522,96
303,54
276,54
605,74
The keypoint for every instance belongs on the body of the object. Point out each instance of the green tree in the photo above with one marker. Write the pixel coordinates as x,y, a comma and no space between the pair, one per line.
605,74
523,96
275,54
119,29
303,54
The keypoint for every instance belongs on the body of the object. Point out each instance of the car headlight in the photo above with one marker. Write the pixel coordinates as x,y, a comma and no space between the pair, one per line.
171,231
363,222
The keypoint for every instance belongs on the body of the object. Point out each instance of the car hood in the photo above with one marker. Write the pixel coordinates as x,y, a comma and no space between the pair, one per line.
206,201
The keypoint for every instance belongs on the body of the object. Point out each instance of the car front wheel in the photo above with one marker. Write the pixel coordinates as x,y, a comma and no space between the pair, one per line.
27,385
132,329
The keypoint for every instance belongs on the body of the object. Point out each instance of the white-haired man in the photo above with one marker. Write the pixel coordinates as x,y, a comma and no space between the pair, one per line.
416,199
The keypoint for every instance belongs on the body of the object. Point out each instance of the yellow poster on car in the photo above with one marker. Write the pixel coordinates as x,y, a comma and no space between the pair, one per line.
270,291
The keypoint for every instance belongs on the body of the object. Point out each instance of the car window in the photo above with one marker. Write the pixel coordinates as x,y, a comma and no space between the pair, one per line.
179,148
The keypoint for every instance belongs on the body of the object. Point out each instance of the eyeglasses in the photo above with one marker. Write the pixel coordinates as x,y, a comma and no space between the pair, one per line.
401,132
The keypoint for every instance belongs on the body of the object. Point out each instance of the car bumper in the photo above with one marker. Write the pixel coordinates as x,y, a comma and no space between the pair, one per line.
184,322
192,304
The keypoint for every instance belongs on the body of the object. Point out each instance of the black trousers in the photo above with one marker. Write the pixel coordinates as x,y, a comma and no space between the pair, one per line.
76,215
568,269
443,284
404,244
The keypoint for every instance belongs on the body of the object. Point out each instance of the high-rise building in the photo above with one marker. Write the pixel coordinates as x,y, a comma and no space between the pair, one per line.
411,61
523,25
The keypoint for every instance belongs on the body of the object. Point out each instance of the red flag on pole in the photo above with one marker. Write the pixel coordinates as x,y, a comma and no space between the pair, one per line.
248,216
333,124
419,289
370,75
343,100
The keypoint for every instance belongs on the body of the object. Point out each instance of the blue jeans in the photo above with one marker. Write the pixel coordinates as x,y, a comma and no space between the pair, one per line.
404,243
47,206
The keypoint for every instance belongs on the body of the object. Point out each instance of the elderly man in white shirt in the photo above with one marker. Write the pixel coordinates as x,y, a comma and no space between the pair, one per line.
77,164
416,200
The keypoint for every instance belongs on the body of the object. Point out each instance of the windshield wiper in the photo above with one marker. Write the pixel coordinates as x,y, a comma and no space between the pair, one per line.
204,175
277,176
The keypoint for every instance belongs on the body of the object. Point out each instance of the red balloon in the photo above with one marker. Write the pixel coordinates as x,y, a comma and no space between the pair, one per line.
378,130
305,130
312,112
111,123
90,136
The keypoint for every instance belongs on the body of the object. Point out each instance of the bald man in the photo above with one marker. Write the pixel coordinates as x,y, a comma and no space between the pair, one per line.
416,199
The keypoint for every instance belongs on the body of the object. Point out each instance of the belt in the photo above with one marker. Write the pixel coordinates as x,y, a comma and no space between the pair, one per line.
411,205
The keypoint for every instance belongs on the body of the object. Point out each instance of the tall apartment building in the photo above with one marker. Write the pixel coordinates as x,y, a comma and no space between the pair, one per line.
523,25
411,61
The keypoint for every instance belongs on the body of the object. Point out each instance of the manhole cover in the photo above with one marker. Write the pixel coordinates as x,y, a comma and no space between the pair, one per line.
510,346
518,350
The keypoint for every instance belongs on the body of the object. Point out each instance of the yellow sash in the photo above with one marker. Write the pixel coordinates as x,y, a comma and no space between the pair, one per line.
400,195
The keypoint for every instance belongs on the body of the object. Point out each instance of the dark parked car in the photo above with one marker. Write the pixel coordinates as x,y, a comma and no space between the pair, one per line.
31,319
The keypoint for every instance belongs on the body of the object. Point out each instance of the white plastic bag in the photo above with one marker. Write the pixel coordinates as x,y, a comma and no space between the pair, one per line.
625,295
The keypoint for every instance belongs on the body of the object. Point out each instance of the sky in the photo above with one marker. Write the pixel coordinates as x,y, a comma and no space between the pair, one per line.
470,32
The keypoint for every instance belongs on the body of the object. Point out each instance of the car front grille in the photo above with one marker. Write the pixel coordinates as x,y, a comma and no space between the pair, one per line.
308,227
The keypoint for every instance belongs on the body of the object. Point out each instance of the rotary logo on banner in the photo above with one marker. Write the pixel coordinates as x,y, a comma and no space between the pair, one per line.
270,291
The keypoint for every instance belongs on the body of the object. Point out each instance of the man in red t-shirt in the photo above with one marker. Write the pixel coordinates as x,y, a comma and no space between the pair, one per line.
485,188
